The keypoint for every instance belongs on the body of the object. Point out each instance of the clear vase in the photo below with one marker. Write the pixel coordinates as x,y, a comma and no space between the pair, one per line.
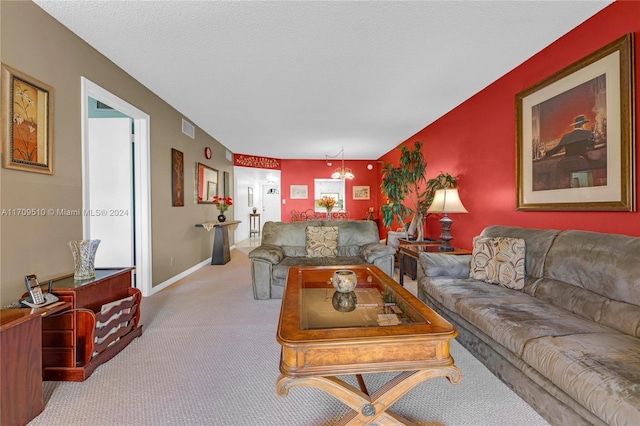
84,254
329,214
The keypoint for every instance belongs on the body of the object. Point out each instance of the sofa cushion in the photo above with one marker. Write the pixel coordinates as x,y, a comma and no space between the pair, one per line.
498,260
514,320
510,317
322,241
600,371
606,264
537,244
444,265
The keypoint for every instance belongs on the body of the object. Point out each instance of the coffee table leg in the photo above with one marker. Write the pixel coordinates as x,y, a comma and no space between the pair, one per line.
367,409
401,268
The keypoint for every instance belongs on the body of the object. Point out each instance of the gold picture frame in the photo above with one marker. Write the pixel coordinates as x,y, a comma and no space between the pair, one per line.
361,192
27,123
298,192
575,135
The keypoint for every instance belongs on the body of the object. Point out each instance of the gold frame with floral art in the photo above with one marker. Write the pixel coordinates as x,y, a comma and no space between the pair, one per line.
27,123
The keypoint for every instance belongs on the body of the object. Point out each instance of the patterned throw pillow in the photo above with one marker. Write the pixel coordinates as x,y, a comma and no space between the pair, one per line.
322,241
499,261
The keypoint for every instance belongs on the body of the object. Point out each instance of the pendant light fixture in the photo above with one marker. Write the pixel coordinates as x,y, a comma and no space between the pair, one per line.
341,172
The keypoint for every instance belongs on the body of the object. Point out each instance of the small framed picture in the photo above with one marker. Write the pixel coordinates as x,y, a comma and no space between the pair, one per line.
299,192
361,193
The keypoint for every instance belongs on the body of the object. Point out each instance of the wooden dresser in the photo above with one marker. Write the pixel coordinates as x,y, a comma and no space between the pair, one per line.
76,342
21,366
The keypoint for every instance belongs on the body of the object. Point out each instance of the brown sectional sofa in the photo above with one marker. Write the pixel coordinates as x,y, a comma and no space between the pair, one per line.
568,343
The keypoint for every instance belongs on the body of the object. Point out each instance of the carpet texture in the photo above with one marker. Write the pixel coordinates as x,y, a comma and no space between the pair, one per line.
208,356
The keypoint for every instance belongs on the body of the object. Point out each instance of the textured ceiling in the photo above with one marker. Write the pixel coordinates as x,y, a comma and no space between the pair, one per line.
303,79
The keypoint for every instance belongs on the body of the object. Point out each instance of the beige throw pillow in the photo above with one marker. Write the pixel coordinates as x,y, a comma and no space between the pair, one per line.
322,241
499,261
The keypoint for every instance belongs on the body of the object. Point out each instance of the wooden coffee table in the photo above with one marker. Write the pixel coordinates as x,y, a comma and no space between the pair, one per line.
380,327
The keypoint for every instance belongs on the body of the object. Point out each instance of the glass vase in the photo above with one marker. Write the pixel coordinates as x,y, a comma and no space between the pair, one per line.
84,254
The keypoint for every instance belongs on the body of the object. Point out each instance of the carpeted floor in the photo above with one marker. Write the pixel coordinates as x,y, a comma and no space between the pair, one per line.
208,356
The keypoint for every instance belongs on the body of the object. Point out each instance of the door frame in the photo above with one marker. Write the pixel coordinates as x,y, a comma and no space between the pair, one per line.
142,176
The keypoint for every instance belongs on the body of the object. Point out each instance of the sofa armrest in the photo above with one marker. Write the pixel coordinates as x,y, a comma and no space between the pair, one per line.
267,252
373,251
445,265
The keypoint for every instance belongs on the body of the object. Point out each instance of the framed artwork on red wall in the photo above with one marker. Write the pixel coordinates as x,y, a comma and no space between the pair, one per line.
361,193
298,192
575,148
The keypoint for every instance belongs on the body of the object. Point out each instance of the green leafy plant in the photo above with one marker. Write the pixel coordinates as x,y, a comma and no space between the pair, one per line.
402,183
408,192
442,181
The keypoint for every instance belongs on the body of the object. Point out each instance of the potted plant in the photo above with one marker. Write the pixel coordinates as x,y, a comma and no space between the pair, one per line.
328,203
222,203
408,191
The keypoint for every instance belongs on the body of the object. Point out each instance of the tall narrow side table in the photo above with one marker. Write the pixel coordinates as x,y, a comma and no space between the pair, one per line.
254,224
220,254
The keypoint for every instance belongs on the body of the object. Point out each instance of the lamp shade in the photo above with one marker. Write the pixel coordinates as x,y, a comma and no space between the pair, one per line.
446,201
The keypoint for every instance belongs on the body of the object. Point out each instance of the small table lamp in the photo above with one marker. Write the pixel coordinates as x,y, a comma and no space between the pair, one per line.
446,201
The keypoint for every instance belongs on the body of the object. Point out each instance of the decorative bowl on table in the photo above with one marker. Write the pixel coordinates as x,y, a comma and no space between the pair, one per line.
344,280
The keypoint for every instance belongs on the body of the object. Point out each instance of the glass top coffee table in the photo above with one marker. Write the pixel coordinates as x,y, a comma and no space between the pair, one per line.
379,327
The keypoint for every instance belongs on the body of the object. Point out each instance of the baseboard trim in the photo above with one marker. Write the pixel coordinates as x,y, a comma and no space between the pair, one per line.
181,275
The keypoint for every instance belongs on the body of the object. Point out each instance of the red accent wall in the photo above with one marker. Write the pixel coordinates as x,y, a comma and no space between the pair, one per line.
303,172
476,140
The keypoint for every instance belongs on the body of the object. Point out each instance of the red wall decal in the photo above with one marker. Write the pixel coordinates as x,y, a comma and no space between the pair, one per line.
256,162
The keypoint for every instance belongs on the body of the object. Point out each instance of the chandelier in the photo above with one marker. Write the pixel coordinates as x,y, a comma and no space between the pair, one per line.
341,172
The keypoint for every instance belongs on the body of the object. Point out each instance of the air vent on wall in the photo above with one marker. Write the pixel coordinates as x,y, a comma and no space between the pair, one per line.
102,105
188,129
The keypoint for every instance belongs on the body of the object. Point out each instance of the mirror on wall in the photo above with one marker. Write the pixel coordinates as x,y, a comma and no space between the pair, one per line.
206,183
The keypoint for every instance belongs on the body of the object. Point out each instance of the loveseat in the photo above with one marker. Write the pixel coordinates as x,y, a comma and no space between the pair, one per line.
345,242
568,341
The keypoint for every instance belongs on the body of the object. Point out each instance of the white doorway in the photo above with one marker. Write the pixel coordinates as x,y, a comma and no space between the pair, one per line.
136,160
271,210
112,213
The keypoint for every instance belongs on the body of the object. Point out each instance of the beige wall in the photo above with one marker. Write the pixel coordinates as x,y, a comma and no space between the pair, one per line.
36,44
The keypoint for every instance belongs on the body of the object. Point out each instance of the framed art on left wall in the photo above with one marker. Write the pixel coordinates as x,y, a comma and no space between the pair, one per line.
27,123
177,178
